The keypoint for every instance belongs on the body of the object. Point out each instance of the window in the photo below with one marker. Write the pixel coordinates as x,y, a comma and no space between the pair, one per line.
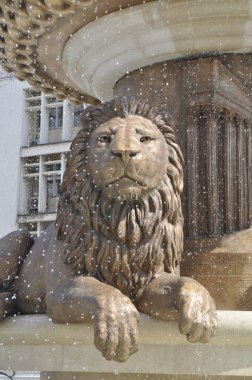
53,187
31,181
52,171
42,173
34,119
55,118
43,121
51,100
52,167
31,166
77,115
34,187
33,112
55,113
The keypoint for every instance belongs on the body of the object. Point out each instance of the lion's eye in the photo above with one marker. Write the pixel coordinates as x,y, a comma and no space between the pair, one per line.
145,139
104,139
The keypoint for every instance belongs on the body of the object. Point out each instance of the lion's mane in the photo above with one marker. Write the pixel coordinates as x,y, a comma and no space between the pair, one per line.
122,243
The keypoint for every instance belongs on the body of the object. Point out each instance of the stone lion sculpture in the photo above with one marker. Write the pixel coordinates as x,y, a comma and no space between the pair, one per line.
116,246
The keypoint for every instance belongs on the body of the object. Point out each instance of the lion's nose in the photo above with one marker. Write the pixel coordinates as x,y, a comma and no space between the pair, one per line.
125,154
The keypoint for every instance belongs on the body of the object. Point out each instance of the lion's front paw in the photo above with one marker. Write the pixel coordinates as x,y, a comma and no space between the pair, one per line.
116,328
198,318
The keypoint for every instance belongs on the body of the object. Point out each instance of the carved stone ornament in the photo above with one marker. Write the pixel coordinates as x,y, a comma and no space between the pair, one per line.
80,48
116,246
22,23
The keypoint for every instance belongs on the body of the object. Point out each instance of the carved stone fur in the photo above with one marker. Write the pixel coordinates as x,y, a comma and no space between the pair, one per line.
125,242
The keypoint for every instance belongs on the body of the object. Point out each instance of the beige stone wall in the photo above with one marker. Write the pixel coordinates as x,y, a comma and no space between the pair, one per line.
224,269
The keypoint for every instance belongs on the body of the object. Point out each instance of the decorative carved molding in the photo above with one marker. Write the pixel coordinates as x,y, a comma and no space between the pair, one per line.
207,81
21,26
220,158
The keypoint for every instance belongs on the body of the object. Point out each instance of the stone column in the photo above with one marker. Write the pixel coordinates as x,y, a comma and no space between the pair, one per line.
229,172
249,141
242,174
192,169
211,115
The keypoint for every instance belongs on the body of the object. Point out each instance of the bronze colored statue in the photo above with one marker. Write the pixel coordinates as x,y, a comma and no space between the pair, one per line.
116,246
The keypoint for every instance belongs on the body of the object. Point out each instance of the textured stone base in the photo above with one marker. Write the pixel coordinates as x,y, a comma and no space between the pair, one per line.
64,352
224,267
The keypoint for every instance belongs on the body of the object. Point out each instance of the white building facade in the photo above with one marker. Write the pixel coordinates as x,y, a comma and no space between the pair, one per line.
36,133
12,104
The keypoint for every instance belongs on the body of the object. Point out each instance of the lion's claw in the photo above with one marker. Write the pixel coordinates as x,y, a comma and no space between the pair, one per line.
198,318
116,329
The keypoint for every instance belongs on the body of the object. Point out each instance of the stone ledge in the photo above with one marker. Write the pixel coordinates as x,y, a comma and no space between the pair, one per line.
35,343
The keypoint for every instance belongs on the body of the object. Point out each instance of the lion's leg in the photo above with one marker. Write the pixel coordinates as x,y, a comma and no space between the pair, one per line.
84,299
80,299
13,249
169,296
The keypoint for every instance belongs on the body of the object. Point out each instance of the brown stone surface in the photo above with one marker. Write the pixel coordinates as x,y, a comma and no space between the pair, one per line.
225,270
13,249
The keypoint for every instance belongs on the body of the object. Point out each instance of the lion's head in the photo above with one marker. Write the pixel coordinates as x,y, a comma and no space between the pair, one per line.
127,158
120,212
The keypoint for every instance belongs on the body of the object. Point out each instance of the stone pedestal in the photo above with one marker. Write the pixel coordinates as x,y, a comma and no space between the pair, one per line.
67,352
130,376
224,267
126,376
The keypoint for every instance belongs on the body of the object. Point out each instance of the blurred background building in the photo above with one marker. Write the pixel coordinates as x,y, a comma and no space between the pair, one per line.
36,133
